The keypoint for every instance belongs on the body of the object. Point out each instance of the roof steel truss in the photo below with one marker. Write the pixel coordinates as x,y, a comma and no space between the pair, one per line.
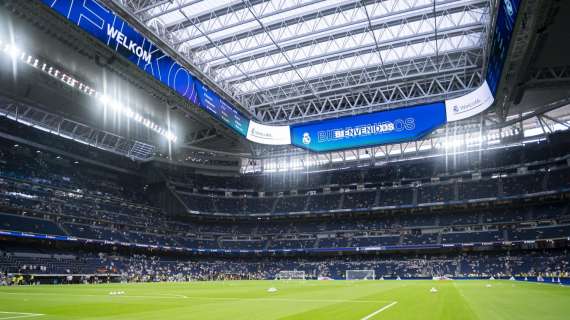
61,126
291,60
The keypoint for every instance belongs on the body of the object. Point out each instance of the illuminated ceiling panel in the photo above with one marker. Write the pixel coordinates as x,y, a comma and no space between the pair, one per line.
290,61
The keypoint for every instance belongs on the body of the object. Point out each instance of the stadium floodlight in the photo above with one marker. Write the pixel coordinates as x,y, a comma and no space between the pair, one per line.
131,114
360,275
16,53
12,51
290,275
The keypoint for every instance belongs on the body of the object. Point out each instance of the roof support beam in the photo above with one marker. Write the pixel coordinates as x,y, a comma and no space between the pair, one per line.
280,49
400,71
393,16
381,48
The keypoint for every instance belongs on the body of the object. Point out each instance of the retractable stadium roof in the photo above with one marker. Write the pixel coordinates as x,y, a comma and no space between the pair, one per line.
290,61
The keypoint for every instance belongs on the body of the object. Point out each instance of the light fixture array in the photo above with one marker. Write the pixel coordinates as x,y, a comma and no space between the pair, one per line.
17,54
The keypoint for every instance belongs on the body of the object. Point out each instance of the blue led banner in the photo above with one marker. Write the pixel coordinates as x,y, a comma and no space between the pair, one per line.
103,24
504,27
383,127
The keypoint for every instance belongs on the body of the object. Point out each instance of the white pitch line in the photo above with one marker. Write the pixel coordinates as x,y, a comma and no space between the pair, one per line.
20,315
379,310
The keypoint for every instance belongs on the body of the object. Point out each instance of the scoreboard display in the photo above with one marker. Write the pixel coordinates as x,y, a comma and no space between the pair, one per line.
220,109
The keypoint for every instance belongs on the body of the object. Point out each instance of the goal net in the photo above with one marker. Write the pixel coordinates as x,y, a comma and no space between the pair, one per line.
360,275
290,275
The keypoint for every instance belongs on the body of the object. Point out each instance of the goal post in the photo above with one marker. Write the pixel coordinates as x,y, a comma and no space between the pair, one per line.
360,275
290,275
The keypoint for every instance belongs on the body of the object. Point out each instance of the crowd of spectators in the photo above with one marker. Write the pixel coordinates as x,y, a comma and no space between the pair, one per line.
498,225
43,193
149,268
46,209
549,177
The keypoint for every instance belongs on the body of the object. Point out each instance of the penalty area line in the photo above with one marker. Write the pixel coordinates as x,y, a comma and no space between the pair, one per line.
18,315
379,310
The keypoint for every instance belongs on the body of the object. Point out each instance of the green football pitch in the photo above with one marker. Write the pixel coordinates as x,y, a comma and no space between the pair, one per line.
248,300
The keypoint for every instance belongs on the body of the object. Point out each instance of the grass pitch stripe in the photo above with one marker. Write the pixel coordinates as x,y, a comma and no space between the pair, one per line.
159,296
180,296
379,310
18,315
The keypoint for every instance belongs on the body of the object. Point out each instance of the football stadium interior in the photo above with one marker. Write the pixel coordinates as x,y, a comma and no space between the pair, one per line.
285,159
